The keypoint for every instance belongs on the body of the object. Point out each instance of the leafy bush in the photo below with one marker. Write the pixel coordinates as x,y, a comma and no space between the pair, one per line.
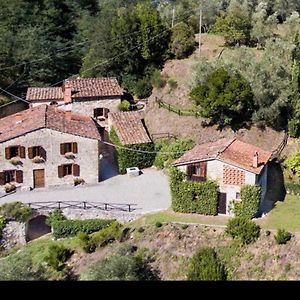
244,229
124,106
58,256
268,232
9,187
85,242
250,199
169,151
3,222
225,98
17,211
55,215
19,266
143,88
158,224
293,164
193,197
127,158
65,228
182,41
282,236
172,84
185,226
157,80
205,265
124,266
108,234
78,181
141,229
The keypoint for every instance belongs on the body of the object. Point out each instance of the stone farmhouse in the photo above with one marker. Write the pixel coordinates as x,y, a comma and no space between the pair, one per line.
232,164
94,97
45,146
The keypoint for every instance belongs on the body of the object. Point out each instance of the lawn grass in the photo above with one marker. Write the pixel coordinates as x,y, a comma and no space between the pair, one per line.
285,215
170,216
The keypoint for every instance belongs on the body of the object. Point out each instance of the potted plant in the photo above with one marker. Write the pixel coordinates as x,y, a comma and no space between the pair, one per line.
78,181
38,159
15,161
69,155
9,187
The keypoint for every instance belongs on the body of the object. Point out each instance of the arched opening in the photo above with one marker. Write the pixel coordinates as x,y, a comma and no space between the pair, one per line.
37,227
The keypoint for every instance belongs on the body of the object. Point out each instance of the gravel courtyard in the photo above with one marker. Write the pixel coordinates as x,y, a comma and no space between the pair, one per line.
150,191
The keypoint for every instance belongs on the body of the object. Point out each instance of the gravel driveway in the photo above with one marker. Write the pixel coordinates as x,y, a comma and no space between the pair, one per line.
150,191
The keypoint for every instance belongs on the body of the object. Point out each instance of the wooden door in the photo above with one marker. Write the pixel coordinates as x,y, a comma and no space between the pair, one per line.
222,203
38,178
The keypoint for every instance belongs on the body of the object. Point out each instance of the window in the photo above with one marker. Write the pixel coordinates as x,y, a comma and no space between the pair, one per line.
36,151
197,172
68,147
68,169
101,112
14,151
238,196
11,176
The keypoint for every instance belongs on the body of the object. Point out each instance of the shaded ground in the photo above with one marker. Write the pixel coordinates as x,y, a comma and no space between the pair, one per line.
150,191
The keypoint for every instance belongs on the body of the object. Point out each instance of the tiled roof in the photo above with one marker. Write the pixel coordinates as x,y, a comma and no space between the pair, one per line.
231,151
95,87
44,116
48,93
81,88
129,127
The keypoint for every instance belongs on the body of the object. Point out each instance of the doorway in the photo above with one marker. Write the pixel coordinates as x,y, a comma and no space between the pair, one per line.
222,201
39,178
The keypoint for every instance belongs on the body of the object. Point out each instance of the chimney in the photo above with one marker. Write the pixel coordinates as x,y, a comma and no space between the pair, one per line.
67,91
68,115
18,117
255,160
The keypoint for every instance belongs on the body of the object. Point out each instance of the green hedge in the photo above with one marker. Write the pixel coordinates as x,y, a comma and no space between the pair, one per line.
169,151
250,199
65,228
193,197
127,158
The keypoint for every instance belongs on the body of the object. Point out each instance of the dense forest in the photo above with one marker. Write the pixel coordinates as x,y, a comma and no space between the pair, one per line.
43,42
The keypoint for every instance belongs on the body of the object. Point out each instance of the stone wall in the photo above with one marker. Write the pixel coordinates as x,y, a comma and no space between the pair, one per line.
87,107
13,235
87,157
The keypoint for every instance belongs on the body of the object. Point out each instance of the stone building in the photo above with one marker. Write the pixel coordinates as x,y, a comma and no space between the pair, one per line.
91,96
232,164
45,146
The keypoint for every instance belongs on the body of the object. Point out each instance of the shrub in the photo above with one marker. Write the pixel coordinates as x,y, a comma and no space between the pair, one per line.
143,88
157,80
65,228
268,232
127,158
244,229
19,266
205,265
17,211
184,226
193,197
3,222
282,236
250,199
108,234
78,181
85,242
55,215
169,151
172,84
158,224
141,229
125,266
124,106
58,256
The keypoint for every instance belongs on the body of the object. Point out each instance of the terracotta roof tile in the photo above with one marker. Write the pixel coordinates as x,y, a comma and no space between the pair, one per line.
44,116
48,93
129,128
232,151
81,88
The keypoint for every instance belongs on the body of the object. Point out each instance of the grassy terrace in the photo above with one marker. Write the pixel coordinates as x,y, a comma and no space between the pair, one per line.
284,215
